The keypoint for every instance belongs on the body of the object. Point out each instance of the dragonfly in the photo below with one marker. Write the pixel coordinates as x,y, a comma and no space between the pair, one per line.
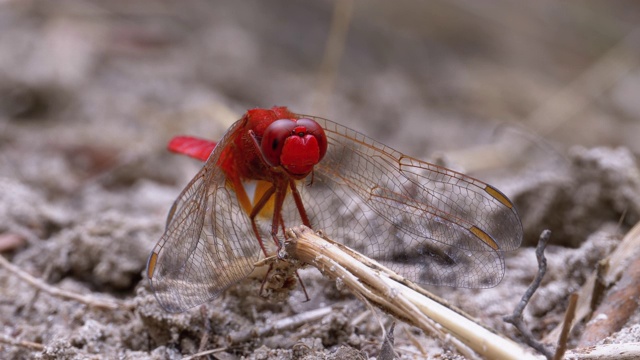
275,169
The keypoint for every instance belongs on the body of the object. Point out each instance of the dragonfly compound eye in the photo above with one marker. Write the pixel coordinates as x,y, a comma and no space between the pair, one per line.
304,148
273,139
313,128
296,145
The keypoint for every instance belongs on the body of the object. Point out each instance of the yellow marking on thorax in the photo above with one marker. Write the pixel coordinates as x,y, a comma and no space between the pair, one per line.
260,188
249,193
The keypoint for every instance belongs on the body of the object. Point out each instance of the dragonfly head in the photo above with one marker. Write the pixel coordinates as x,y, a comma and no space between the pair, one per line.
295,144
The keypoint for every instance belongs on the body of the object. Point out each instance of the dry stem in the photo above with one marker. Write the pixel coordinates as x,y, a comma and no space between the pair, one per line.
54,291
24,344
374,283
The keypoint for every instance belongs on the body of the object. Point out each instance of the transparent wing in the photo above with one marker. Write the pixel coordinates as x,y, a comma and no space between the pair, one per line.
430,224
207,244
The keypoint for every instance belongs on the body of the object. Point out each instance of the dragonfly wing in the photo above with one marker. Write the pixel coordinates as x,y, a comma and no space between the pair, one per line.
432,225
207,245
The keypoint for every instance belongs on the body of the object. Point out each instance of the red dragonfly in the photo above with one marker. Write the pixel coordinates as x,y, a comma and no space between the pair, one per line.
274,169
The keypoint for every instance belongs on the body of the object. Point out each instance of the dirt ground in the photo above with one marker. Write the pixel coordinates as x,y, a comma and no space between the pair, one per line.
539,99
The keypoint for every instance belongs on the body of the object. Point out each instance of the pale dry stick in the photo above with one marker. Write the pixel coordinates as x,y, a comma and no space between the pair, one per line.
333,50
397,296
377,317
306,247
203,353
279,325
204,339
374,292
414,341
21,343
628,351
54,291
360,318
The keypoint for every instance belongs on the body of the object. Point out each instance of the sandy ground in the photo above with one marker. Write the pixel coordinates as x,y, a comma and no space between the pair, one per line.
538,99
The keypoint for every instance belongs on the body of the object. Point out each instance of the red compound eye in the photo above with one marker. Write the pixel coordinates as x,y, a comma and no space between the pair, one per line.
274,138
296,145
313,128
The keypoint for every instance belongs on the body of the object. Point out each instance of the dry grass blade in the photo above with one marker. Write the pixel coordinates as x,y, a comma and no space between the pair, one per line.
54,291
204,353
378,285
24,344
334,48
568,320
291,322
628,351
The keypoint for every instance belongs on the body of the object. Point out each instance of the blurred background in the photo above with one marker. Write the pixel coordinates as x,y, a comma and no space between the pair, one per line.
509,91
501,90
422,77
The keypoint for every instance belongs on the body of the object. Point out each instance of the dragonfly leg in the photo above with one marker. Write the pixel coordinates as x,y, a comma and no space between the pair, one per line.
304,289
281,192
299,204
279,188
255,231
257,148
256,210
264,281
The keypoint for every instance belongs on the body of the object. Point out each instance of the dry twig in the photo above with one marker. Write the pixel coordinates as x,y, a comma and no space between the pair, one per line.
342,12
57,292
287,323
568,320
372,282
629,351
21,343
516,318
203,353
